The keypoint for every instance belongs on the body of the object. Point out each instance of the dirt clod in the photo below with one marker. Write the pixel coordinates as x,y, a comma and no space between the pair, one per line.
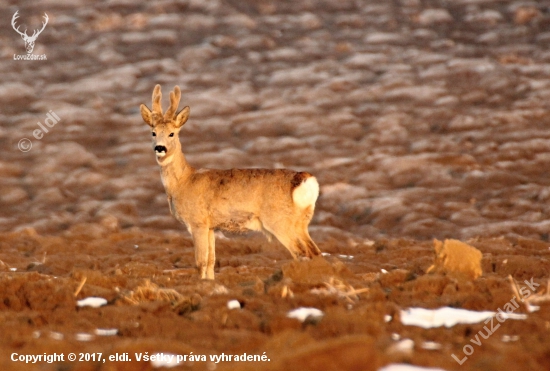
456,259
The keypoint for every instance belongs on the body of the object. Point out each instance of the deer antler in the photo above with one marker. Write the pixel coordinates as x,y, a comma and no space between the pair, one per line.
36,32
15,16
157,95
175,97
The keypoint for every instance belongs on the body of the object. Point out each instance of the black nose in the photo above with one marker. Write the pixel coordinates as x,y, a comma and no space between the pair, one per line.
160,149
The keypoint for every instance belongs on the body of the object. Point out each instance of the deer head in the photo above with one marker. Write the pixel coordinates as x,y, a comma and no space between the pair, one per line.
29,40
165,128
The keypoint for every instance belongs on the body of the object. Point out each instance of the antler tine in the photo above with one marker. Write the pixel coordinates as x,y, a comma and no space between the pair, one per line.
13,20
157,95
175,97
43,25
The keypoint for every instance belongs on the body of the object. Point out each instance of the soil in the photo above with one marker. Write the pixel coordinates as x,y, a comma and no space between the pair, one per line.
420,119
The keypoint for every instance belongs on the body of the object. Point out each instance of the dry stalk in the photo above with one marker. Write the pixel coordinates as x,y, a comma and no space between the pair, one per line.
287,292
532,299
338,287
151,292
540,297
515,288
80,286
4,264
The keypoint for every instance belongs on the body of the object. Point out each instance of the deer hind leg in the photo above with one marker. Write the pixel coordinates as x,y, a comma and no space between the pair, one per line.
292,244
303,220
201,242
287,234
308,245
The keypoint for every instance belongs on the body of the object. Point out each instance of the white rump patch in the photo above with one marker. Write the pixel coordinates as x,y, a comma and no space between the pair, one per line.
306,193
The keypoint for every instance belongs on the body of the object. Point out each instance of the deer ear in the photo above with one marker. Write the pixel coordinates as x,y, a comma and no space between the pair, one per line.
146,114
182,117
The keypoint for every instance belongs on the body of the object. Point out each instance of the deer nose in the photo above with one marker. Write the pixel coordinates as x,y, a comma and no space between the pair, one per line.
160,149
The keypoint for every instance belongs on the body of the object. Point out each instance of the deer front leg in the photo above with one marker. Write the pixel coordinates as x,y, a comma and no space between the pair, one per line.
211,255
201,241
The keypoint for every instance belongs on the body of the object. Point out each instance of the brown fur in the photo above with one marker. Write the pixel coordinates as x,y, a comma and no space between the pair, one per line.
298,179
233,200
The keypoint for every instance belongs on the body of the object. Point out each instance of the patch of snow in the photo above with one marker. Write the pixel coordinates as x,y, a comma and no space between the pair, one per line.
430,345
167,360
405,367
333,162
403,346
106,331
233,304
303,313
92,301
508,338
81,336
56,335
345,256
448,317
512,315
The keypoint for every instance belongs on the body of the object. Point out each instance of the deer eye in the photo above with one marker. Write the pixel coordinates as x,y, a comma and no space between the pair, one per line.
171,135
154,134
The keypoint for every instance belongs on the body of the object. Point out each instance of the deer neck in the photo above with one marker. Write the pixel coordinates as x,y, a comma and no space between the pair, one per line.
174,171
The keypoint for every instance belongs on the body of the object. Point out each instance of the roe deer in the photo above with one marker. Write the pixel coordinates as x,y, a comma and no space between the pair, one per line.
277,202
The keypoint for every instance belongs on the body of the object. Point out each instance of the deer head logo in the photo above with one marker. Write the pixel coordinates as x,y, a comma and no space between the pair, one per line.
29,40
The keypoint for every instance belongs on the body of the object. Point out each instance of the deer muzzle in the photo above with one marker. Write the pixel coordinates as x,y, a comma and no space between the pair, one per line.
160,151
